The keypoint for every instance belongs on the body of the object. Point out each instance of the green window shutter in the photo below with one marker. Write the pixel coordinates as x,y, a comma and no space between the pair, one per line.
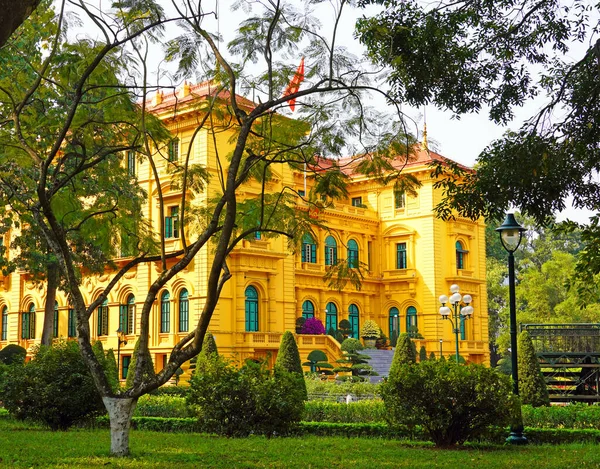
71,329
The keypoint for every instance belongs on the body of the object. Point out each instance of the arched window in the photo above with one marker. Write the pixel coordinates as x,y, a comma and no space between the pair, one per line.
184,311
127,316
330,317
354,322
394,321
461,255
55,321
103,318
411,321
308,310
330,251
4,323
251,309
165,312
309,249
352,253
28,323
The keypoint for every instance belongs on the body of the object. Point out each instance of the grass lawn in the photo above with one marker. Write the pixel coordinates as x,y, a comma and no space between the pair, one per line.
28,446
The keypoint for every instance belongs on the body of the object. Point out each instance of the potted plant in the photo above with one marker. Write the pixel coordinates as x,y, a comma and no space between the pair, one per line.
381,342
300,324
345,328
370,333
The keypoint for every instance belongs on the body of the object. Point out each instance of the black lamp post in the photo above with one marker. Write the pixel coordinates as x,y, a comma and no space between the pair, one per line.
510,236
122,339
461,308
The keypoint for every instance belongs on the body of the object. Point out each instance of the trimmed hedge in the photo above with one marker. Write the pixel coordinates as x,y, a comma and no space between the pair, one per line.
334,390
367,411
576,416
494,435
162,406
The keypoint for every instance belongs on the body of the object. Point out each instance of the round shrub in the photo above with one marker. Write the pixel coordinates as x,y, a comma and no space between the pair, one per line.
252,399
13,353
55,387
313,326
451,402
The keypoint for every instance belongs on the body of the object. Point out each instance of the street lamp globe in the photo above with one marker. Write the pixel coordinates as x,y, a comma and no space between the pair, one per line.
510,233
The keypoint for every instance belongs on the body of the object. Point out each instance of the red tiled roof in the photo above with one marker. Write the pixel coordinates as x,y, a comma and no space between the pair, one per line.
419,157
177,97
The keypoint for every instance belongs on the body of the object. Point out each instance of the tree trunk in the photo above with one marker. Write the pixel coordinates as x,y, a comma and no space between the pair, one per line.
51,287
14,12
120,412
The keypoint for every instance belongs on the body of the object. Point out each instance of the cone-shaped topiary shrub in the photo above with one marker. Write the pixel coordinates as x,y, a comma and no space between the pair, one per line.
112,373
422,354
532,386
209,346
148,368
288,358
405,353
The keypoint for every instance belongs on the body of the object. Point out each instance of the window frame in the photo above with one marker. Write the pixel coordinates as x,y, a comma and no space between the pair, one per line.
354,319
4,323
394,319
401,256
251,309
330,251
399,199
71,323
103,316
165,312
125,364
172,223
461,255
356,201
331,314
353,254
184,313
309,249
28,323
308,313
131,163
55,321
411,320
173,150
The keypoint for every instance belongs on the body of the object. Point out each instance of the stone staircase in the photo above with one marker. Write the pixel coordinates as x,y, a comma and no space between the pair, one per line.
381,361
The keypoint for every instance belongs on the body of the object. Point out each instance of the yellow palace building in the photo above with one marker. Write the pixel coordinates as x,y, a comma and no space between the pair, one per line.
410,259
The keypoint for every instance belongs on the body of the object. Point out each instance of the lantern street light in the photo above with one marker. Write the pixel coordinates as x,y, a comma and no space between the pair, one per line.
122,339
510,236
460,308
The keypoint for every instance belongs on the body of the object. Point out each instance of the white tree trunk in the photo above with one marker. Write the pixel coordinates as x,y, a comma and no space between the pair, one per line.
120,412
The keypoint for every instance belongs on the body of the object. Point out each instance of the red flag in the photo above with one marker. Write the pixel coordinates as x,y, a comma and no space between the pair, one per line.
294,85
